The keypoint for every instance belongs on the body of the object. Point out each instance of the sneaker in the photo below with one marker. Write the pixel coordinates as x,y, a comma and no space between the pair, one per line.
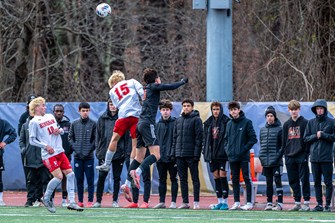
81,204
115,204
103,167
318,208
49,205
126,191
28,204
248,206
173,205
236,206
75,207
2,203
64,203
305,207
327,208
144,205
296,207
160,205
37,204
89,204
96,205
217,206
131,205
196,206
268,207
224,206
136,178
184,206
277,207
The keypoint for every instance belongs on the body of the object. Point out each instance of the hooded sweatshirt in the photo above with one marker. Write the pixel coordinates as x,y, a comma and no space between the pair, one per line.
213,140
293,142
321,149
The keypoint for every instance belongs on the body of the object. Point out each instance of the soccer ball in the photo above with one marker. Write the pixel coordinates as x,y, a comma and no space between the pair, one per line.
103,10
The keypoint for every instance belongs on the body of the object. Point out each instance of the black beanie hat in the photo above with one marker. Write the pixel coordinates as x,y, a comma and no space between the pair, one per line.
271,110
30,98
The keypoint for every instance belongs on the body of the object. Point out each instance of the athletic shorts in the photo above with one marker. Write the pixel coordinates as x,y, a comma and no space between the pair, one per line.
146,135
59,161
124,124
272,171
2,166
218,165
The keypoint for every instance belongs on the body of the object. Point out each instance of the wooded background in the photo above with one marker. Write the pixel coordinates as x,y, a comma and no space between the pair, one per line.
60,49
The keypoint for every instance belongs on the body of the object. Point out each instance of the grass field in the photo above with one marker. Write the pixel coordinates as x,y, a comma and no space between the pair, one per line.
41,215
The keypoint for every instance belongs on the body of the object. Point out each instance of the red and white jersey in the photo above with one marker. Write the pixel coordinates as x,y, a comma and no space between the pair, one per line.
41,129
125,96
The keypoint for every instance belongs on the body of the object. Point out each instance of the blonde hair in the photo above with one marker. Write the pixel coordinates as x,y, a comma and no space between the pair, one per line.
294,105
115,78
34,103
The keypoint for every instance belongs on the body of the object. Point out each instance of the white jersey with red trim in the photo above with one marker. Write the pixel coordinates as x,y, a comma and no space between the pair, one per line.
41,129
126,95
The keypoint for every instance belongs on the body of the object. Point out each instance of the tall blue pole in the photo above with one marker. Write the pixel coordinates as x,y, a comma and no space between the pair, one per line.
219,69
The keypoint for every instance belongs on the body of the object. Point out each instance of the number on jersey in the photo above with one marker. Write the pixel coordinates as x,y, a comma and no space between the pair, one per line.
122,91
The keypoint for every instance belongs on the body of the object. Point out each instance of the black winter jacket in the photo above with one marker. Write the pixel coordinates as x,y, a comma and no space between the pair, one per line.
187,135
65,124
6,130
31,154
210,151
321,149
105,126
165,136
82,138
239,138
270,141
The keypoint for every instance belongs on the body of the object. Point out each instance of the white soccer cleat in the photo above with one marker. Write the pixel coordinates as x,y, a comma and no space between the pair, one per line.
247,207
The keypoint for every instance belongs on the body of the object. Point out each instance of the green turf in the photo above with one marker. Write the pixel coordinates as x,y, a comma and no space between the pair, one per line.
41,215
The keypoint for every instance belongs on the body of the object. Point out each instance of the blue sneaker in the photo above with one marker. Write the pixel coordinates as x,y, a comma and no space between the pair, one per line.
224,206
217,207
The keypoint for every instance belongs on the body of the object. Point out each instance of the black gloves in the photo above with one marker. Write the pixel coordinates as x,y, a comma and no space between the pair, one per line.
185,80
196,159
173,159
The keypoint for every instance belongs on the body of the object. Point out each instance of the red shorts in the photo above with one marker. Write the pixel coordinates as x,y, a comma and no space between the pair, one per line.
124,124
59,161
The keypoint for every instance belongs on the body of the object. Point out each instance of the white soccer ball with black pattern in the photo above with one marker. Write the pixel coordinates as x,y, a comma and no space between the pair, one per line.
103,10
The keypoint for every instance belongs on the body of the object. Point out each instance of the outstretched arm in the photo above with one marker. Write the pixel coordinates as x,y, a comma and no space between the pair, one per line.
172,86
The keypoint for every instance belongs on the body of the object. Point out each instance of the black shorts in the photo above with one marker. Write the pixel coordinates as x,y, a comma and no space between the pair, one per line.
146,134
2,166
272,171
217,165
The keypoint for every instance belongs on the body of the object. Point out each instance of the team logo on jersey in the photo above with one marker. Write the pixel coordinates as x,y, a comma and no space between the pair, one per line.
46,123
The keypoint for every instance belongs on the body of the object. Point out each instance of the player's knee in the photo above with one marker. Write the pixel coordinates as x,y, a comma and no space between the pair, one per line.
70,176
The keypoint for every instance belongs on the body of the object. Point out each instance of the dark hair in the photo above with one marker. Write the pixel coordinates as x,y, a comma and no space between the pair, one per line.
187,100
149,75
84,105
58,105
215,104
165,104
234,104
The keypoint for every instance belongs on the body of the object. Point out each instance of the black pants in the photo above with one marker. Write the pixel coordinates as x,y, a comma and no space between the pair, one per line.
117,166
37,182
235,168
163,169
324,170
183,164
298,171
147,188
273,173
